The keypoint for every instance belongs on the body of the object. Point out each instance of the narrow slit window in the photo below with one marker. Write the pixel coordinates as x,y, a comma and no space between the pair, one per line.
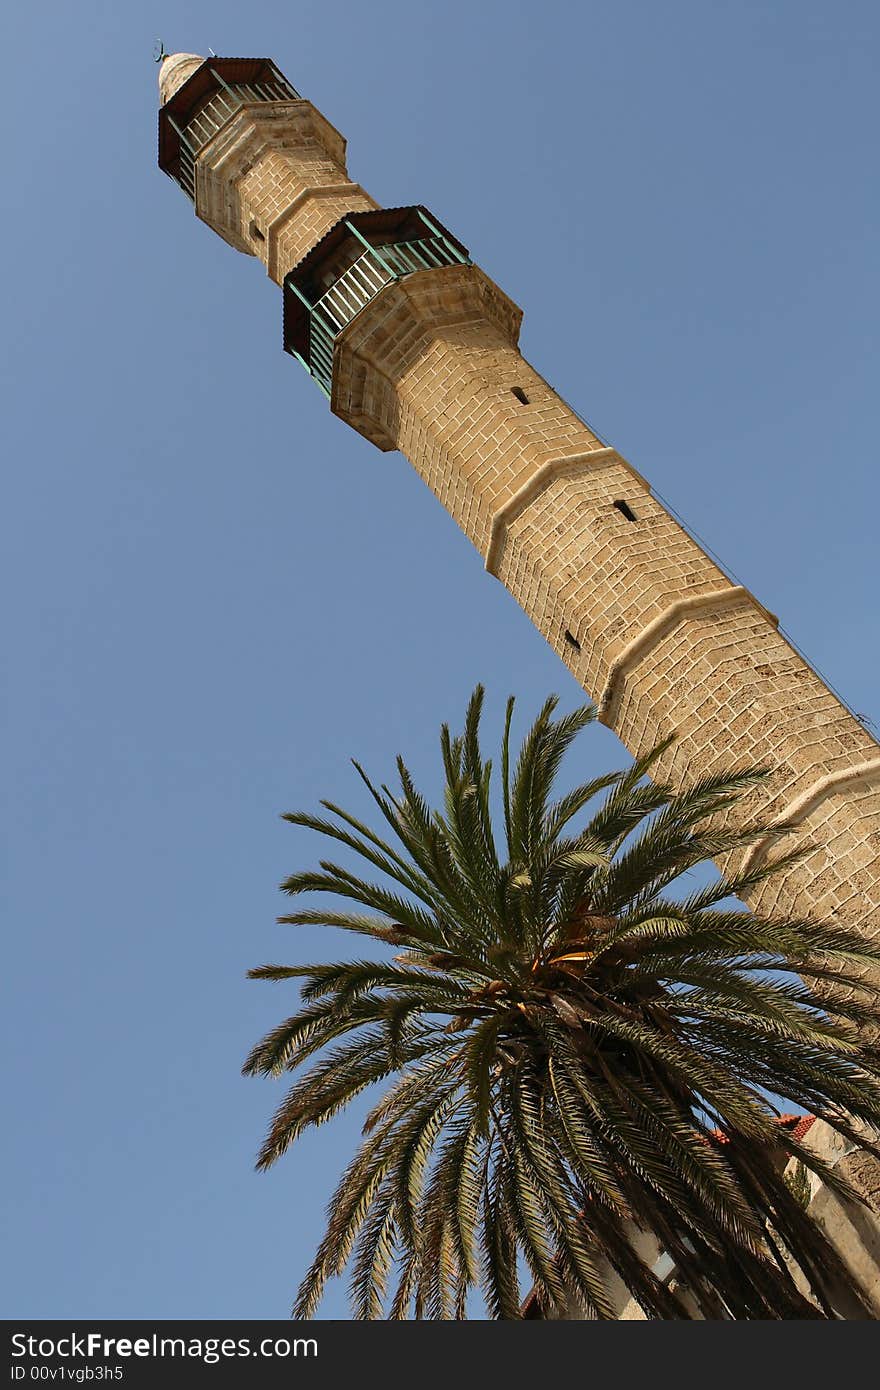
572,640
256,233
625,510
520,395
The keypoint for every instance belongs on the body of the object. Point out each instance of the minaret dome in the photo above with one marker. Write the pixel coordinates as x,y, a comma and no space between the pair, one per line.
174,69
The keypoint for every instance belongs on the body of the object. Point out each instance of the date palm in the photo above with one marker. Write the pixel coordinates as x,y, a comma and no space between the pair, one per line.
571,1049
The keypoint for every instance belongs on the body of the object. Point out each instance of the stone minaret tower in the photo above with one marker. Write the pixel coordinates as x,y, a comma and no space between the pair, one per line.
416,348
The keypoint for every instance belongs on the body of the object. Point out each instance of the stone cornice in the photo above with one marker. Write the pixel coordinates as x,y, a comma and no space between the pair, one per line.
232,152
316,190
537,483
862,774
405,313
654,631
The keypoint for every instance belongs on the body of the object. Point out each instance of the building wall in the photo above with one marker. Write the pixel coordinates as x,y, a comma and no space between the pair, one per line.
852,1228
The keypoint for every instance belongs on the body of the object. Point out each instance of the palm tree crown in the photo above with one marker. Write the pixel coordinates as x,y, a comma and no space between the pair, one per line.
571,1051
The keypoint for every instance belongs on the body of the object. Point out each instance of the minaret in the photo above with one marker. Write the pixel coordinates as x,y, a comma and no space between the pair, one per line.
416,349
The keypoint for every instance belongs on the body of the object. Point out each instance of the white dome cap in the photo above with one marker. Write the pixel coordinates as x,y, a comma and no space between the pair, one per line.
174,69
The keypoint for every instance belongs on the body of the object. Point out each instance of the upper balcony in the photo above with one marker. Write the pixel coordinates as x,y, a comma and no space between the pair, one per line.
205,102
348,268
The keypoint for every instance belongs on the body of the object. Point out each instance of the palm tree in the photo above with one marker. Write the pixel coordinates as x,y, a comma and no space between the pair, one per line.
573,1052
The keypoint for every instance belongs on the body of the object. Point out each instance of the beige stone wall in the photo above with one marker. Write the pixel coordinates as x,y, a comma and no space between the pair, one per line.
642,617
273,181
852,1228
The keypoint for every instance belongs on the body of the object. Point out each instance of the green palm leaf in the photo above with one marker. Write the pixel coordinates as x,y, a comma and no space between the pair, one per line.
565,1060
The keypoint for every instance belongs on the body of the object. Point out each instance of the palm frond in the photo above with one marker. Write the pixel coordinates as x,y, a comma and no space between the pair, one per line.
567,1059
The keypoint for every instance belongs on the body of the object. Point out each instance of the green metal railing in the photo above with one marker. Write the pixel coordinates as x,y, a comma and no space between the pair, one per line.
212,117
375,268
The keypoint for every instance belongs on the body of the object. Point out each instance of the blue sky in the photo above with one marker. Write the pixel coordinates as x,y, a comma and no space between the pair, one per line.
216,593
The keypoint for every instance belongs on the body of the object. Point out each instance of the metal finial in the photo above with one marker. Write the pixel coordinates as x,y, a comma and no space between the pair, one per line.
212,53
159,51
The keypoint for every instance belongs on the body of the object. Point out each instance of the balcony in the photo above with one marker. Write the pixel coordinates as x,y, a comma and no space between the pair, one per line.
204,104
346,271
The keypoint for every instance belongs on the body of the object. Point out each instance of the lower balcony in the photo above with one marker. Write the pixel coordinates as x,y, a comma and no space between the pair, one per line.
348,268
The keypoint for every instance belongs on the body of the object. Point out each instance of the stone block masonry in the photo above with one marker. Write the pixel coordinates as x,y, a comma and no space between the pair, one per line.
657,635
